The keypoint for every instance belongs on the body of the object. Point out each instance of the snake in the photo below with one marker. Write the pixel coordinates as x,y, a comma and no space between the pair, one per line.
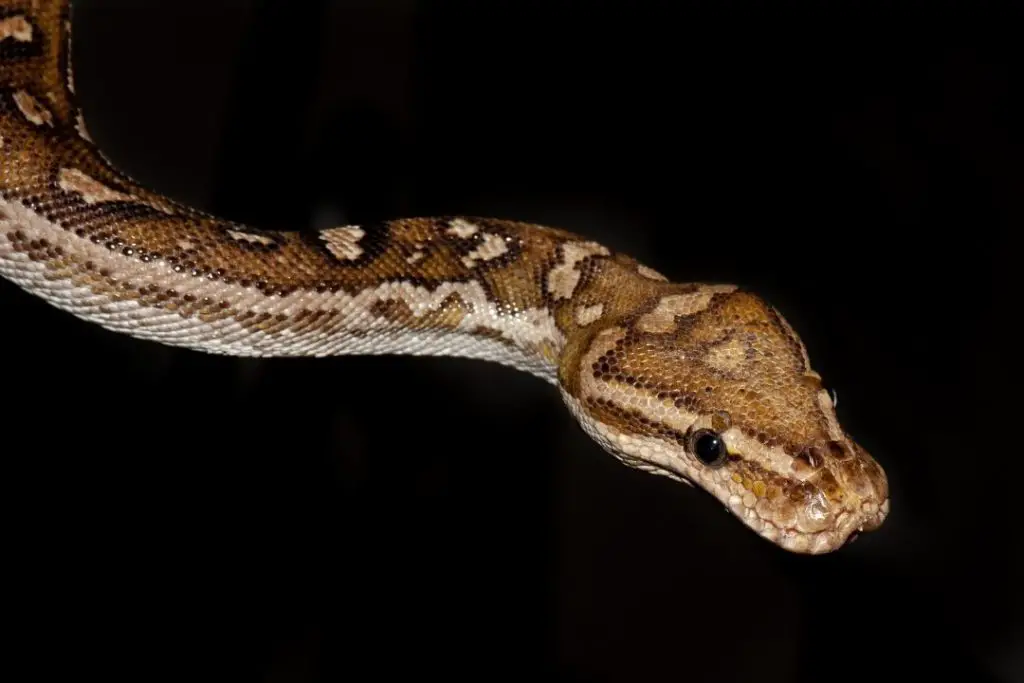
705,383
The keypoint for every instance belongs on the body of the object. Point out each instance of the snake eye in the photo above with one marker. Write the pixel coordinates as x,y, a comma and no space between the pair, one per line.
708,447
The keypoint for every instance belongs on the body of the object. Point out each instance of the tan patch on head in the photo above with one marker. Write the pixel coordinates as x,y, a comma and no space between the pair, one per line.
563,278
462,228
415,257
650,273
728,356
493,246
250,238
32,109
663,318
588,314
344,242
91,190
16,27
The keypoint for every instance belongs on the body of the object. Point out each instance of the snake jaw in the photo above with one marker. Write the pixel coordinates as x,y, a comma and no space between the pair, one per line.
824,509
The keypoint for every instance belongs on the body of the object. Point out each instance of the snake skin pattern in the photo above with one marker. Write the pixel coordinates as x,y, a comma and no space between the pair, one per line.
706,384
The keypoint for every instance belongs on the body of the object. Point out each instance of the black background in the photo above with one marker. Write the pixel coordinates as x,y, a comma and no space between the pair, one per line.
180,515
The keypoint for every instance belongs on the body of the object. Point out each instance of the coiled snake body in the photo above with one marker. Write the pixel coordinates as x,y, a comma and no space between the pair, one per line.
703,383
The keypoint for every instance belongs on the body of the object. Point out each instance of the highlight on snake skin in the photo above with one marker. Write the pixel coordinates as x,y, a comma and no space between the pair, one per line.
704,383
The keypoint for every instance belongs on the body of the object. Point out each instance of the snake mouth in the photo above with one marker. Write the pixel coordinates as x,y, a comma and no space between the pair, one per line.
869,518
847,528
860,516
850,525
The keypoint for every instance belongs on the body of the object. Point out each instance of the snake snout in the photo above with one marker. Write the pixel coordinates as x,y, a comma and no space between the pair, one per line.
865,499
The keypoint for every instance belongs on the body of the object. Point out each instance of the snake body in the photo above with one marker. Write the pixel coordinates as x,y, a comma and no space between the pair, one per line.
704,383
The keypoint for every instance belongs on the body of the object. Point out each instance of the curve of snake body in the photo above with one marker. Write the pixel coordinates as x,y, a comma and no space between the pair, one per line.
704,383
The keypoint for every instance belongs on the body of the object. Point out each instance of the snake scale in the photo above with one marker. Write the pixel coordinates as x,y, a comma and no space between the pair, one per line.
704,383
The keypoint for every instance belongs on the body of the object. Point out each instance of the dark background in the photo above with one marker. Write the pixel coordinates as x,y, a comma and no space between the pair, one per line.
178,515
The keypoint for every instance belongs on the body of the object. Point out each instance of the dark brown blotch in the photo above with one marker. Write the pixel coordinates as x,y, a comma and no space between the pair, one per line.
391,309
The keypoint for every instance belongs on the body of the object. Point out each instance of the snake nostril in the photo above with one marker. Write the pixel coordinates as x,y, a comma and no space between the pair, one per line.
839,450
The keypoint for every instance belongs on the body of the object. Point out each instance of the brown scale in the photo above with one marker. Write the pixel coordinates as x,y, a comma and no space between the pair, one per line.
493,335
632,421
769,485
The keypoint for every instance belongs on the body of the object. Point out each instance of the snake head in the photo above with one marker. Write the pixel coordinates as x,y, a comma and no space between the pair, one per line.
710,385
